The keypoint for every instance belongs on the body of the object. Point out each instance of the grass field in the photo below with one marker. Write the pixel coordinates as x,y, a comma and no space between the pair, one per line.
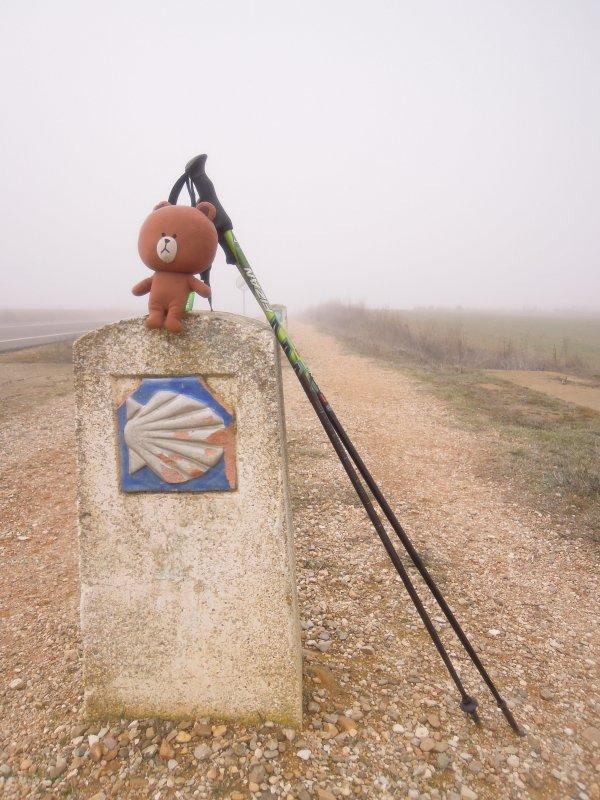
552,447
485,340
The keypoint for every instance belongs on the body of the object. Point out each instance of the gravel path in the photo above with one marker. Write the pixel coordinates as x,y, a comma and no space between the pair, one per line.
381,716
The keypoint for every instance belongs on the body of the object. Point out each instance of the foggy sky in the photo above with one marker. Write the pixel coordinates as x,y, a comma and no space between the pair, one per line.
400,153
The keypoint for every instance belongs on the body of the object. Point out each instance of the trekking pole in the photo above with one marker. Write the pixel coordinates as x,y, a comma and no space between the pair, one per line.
338,437
418,562
468,704
343,446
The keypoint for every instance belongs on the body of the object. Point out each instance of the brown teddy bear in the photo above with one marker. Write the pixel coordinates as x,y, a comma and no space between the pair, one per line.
176,242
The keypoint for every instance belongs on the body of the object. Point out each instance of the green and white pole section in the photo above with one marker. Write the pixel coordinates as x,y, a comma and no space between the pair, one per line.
345,449
252,282
280,332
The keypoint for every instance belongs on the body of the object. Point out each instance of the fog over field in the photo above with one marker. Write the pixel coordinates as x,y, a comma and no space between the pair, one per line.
396,153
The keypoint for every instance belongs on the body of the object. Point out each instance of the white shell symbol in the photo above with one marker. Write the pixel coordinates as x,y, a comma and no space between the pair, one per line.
169,435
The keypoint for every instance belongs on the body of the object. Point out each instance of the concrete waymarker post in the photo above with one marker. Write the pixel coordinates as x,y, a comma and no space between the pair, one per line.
188,593
280,313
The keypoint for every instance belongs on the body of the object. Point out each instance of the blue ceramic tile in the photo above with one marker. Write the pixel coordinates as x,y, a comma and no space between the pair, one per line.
175,436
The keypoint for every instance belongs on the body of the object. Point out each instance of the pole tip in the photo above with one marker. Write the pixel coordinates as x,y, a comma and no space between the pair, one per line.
509,718
469,706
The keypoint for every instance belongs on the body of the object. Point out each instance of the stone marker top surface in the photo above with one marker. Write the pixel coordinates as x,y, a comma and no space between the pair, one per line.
117,342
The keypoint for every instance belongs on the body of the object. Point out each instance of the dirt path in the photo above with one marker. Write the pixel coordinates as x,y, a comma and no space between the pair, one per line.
381,717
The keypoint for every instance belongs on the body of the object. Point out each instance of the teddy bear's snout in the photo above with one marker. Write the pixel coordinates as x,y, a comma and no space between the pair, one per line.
166,249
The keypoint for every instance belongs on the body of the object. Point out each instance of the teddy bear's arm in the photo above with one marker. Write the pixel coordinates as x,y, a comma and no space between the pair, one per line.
143,287
201,288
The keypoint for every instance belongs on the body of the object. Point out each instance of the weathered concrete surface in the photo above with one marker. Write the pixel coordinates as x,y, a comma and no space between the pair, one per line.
188,601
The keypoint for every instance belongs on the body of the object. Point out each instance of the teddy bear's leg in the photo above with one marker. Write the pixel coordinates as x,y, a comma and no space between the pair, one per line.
174,317
155,316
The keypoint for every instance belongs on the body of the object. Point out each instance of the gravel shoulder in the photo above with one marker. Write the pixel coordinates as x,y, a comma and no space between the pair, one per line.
381,716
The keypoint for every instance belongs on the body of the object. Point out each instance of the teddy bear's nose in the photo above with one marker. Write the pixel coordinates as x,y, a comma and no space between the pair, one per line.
167,240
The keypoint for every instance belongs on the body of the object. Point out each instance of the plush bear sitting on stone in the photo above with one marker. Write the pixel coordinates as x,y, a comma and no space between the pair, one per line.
176,242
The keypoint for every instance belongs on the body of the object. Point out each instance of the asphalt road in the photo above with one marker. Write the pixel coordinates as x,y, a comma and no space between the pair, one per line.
18,335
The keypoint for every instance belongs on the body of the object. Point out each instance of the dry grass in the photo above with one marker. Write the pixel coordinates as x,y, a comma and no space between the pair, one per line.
472,340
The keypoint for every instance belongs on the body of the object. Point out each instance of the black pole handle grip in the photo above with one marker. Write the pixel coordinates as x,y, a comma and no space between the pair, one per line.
194,170
176,190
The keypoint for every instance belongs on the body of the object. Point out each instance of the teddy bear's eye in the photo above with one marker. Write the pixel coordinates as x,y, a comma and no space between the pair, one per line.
174,235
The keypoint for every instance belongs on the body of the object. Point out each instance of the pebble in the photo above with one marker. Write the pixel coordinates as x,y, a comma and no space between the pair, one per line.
17,684
304,754
201,730
202,752
58,768
96,751
591,734
346,724
443,761
421,732
324,794
165,750
257,774
150,751
467,794
513,761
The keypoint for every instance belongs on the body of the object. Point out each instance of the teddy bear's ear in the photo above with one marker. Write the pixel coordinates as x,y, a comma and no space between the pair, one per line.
162,204
207,208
